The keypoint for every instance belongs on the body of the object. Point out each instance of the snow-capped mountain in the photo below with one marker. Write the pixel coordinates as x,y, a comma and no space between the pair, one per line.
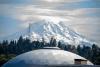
61,32
46,30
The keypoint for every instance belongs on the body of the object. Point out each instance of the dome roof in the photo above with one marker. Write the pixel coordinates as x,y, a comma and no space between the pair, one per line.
44,57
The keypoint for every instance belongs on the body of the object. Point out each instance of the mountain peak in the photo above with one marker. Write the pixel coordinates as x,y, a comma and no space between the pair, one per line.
46,29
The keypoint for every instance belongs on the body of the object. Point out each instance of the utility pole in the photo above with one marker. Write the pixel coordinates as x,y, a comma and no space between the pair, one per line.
29,31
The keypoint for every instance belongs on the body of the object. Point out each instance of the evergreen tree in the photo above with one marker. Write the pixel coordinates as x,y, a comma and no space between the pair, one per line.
20,45
79,50
87,53
95,53
59,44
1,49
73,49
53,42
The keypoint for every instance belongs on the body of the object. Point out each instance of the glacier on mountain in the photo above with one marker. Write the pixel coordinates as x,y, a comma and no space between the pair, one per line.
46,30
60,31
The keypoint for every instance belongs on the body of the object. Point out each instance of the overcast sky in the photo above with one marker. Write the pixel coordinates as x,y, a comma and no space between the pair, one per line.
81,15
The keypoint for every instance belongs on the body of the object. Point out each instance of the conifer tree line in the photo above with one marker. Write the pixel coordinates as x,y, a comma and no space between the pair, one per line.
14,48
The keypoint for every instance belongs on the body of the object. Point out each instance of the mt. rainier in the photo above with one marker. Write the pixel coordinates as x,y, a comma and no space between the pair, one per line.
44,29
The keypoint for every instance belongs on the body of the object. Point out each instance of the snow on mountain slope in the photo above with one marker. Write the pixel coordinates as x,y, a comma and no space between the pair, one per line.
46,30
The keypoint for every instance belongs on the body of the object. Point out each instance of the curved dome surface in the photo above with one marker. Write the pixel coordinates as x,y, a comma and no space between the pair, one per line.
44,57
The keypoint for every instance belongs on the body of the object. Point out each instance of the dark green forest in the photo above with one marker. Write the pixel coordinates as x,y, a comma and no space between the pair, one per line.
13,48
